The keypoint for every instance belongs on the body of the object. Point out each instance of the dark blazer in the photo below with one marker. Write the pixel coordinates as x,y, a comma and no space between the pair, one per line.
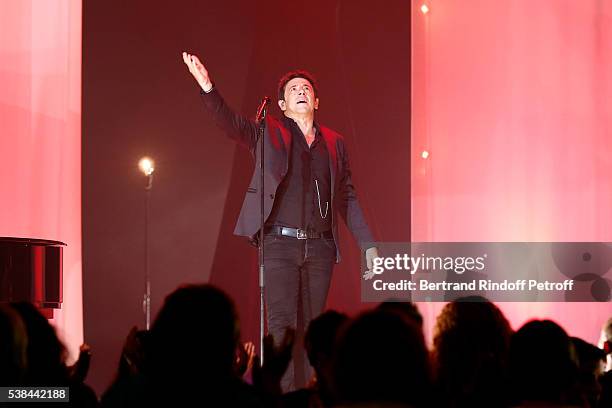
277,146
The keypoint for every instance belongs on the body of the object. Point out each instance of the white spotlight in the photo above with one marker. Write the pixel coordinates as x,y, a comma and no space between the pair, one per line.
146,165
424,9
425,154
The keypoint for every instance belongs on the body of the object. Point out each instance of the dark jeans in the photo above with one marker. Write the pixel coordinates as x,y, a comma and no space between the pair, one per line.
296,272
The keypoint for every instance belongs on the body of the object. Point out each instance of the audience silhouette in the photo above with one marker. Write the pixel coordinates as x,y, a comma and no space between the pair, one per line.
470,354
193,356
543,365
381,359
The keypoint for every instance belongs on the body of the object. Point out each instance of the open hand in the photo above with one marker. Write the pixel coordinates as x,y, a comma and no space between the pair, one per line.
198,70
267,377
244,358
370,254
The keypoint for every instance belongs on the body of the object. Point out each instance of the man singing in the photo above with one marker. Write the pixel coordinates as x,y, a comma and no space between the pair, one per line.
307,185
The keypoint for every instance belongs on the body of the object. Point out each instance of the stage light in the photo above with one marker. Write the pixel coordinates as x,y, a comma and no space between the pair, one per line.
146,165
424,9
424,154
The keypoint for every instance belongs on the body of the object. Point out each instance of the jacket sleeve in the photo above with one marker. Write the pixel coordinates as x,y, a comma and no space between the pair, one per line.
237,127
348,204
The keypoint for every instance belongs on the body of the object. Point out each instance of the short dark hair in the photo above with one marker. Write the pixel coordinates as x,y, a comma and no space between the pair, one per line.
406,309
320,337
196,330
300,73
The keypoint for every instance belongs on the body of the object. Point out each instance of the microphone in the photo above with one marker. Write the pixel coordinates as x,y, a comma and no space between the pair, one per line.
261,111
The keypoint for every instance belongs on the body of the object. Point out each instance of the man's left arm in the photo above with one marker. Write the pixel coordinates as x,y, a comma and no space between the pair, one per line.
351,211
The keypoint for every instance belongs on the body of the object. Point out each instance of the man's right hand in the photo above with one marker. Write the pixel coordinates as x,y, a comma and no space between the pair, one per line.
198,71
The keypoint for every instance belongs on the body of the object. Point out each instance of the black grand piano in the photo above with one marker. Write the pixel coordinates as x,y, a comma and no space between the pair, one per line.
31,270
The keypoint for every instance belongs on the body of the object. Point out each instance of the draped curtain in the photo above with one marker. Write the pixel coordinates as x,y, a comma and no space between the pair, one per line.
40,137
511,101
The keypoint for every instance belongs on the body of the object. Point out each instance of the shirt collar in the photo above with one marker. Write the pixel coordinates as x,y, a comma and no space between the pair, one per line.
291,122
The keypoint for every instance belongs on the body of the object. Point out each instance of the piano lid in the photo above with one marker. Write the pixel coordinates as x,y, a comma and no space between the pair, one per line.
30,241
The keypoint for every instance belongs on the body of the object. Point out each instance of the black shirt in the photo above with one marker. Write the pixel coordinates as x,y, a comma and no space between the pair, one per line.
303,199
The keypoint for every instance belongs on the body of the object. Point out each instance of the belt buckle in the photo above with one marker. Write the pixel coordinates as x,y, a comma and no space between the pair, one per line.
302,234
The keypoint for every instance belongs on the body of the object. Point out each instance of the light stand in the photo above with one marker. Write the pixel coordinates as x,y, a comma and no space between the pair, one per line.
147,166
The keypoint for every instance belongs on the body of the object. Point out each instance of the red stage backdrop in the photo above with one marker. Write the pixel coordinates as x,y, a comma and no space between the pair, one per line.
512,101
40,137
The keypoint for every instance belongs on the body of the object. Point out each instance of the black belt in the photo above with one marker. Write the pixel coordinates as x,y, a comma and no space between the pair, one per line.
297,233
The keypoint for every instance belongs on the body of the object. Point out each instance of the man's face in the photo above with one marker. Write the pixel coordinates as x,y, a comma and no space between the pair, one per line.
299,98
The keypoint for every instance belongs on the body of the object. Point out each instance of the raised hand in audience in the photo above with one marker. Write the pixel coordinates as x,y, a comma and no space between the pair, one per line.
267,377
78,371
244,358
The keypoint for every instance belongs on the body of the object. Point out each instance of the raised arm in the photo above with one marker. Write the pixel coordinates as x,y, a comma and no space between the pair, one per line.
237,127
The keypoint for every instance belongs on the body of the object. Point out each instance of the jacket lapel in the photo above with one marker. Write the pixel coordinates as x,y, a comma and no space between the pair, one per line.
286,136
330,142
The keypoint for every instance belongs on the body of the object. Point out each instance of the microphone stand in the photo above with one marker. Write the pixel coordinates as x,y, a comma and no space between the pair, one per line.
261,116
